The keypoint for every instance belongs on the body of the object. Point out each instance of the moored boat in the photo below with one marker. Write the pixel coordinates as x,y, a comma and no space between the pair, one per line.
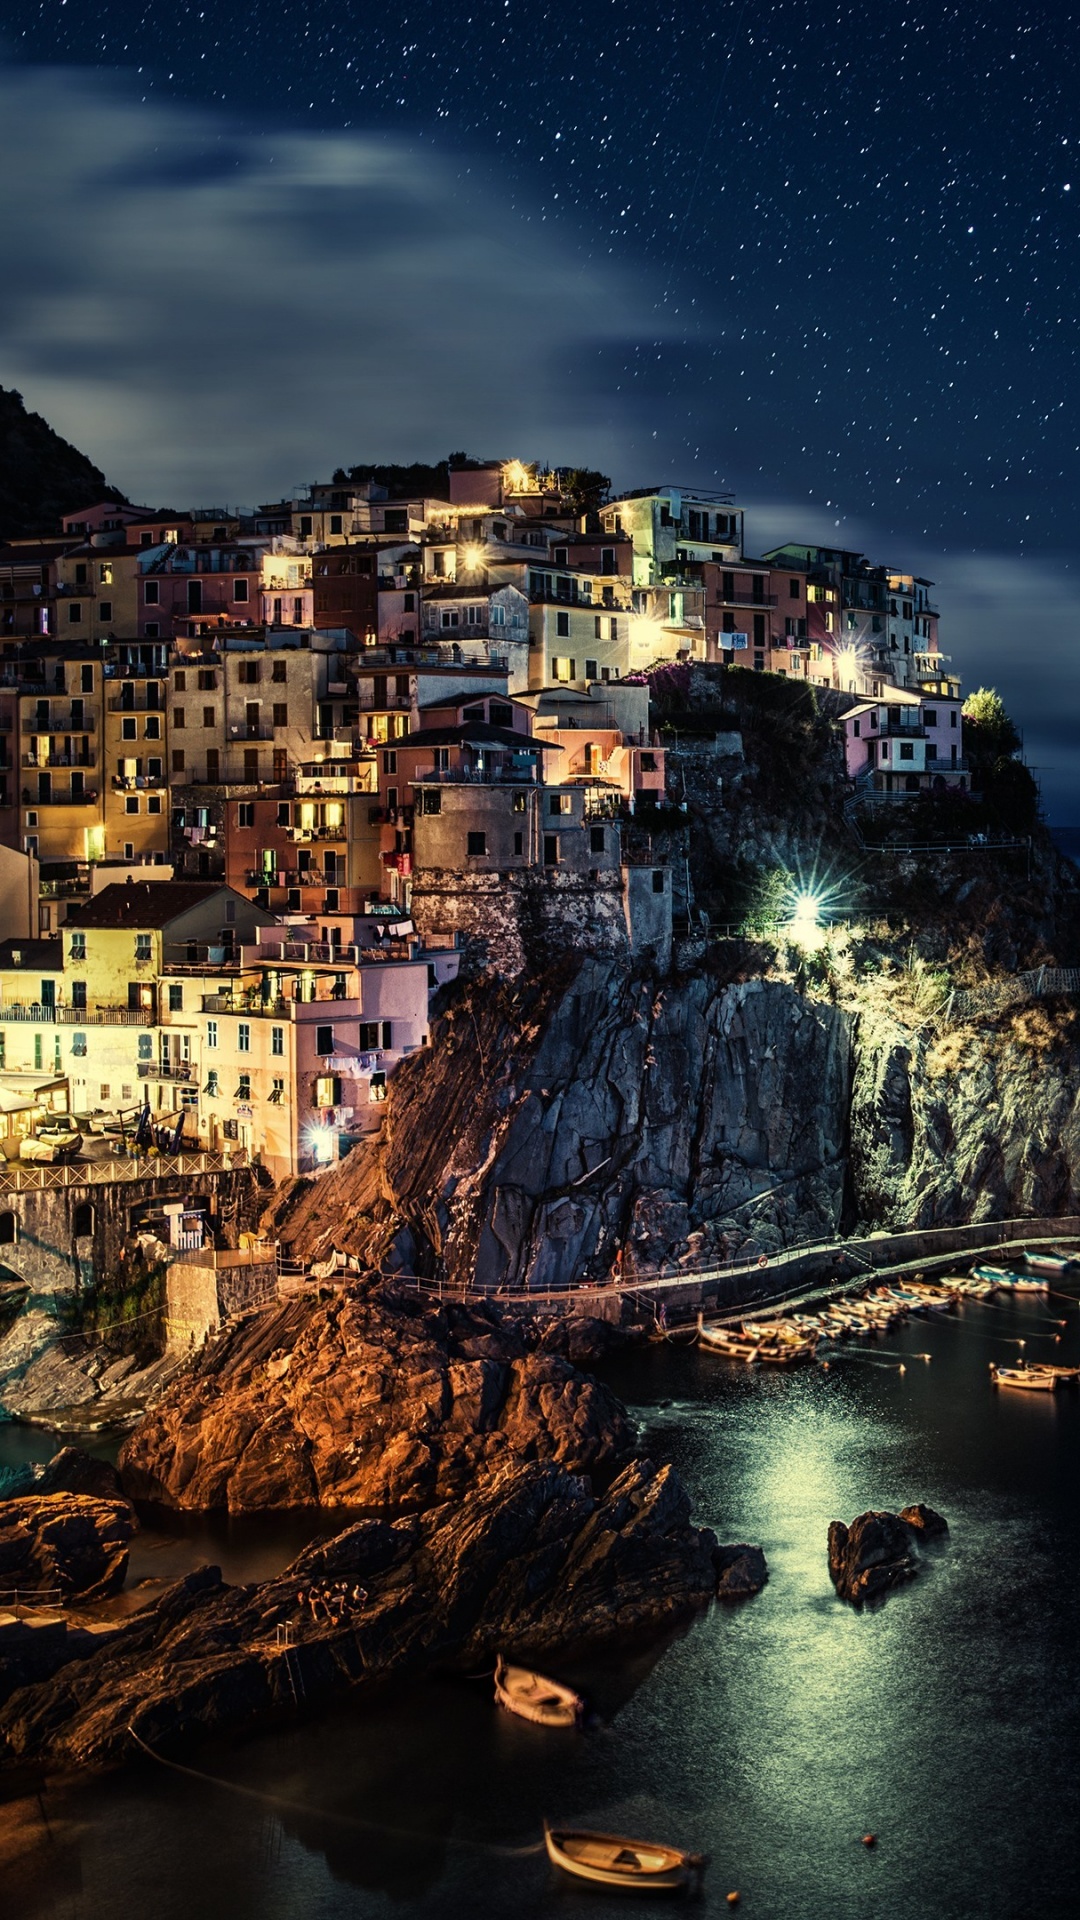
612,1860
532,1696
996,1274
730,1341
1023,1283
1030,1379
1052,1264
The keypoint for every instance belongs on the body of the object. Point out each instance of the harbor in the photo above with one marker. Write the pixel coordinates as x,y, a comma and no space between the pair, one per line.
771,1735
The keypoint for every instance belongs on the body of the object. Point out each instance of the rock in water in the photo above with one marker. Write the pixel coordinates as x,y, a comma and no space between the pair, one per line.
870,1556
374,1399
924,1521
64,1541
741,1570
73,1471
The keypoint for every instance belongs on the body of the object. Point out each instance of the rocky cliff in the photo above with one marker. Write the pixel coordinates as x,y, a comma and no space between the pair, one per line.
687,1119
41,475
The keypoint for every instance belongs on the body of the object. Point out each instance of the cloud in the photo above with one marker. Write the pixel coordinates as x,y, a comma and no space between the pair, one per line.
212,309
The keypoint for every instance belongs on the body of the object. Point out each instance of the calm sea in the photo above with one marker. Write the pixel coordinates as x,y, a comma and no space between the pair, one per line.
772,1735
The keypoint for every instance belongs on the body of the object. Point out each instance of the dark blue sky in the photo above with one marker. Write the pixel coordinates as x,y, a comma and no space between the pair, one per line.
824,253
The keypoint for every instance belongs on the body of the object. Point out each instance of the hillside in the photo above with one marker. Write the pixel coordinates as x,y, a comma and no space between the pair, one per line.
41,475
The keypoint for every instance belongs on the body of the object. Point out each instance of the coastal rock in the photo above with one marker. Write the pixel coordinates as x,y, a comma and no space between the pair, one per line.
73,1471
870,1556
375,1399
531,1564
924,1521
740,1571
68,1542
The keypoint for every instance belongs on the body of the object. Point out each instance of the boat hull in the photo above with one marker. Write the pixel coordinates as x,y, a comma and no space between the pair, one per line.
611,1860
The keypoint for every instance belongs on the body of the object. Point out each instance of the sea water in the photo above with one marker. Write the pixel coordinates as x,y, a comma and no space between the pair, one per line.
773,1734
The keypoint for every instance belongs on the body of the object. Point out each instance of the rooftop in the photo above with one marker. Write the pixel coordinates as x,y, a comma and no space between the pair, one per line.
144,903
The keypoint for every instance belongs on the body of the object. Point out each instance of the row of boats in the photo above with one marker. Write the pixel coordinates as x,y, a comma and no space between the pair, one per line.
792,1339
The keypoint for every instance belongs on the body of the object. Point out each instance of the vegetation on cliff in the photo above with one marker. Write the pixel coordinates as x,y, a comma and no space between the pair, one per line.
42,477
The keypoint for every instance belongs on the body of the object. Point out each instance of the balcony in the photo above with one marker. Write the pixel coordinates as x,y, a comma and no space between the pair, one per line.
138,782
745,600
39,1016
31,760
479,777
135,703
166,1070
200,959
249,731
60,723
86,799
316,833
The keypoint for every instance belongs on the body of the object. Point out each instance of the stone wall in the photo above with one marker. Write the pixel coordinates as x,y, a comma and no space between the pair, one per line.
512,920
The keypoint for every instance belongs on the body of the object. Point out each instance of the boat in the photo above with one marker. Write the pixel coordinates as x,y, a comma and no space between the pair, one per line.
995,1274
1023,1283
786,1353
1033,1379
729,1341
532,1696
612,1860
1053,1264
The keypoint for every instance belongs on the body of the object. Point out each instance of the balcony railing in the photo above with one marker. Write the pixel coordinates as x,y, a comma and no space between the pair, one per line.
137,703
166,1070
88,798
39,1016
60,723
31,761
476,777
745,600
316,833
249,731
138,782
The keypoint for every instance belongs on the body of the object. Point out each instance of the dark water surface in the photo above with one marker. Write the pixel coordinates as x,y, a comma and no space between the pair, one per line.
772,1735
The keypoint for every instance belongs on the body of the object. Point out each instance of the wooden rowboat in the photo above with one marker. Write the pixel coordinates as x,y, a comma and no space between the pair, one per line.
611,1860
534,1697
1048,1263
1033,1379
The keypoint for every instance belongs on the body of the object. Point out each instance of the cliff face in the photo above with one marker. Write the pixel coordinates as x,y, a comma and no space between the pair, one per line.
692,1118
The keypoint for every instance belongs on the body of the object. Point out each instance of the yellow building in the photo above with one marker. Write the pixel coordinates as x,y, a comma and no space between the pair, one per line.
59,767
136,753
97,593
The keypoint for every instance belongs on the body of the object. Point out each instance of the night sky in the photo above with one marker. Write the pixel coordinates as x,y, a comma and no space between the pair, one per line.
826,255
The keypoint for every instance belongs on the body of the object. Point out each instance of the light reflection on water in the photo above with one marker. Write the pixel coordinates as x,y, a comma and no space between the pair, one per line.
773,1734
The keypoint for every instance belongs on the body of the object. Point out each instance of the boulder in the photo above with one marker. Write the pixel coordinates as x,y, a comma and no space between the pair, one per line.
64,1543
375,1399
924,1521
871,1556
533,1564
73,1471
740,1571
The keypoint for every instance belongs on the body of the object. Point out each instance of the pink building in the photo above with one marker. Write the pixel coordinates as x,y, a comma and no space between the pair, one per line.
906,744
181,584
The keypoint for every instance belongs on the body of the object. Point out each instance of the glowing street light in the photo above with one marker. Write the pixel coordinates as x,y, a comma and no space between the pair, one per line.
472,556
805,927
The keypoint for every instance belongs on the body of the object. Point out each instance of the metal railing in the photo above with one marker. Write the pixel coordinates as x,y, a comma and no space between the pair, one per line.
166,1070
42,1016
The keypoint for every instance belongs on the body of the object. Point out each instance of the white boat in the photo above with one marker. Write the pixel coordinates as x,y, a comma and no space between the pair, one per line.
534,1697
729,1341
1023,1283
1031,1379
1053,1264
612,1860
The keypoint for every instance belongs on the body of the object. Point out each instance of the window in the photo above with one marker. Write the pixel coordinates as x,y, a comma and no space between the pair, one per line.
151,593
759,629
240,588
86,679
590,670
249,673
658,880
243,1087
104,609
279,671
283,813
475,844
450,617
907,752
245,813
281,714
563,669
78,1045
519,843
212,1087
146,1046
129,729
596,839
208,716
78,999
369,1035
793,589
213,761
78,947
212,1034
551,849
277,1042
131,803
243,1037
930,717
142,946
178,760
324,1040
8,1230
497,616
430,800
562,625
152,727
560,803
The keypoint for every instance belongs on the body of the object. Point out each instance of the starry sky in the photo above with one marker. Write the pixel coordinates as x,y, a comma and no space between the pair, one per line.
824,254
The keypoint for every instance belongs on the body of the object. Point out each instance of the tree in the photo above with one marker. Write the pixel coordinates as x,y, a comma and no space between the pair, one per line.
584,489
995,737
